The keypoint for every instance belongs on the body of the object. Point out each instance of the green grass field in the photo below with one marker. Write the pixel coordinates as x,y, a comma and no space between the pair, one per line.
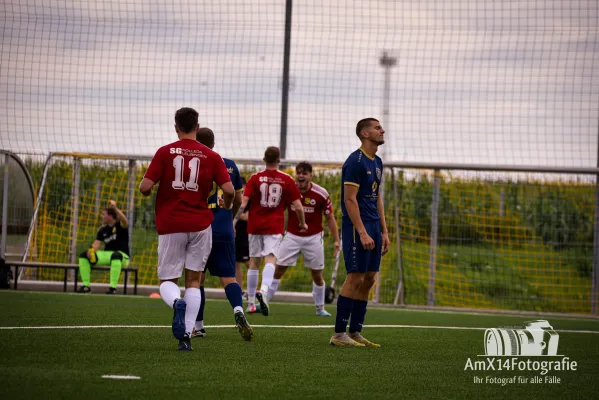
415,360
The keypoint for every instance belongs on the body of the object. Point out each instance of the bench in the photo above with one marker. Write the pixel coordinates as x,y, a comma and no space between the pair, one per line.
126,270
67,268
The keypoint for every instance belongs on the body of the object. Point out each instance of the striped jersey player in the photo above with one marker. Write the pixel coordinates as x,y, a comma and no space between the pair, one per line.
317,204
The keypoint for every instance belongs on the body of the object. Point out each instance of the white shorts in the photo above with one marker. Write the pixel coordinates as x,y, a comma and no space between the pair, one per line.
311,248
263,245
178,250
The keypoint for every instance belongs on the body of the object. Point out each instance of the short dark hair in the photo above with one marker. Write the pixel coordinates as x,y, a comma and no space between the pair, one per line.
272,155
206,137
186,119
111,212
363,123
304,165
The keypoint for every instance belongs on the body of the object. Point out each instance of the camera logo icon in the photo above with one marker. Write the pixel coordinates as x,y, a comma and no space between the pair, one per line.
534,338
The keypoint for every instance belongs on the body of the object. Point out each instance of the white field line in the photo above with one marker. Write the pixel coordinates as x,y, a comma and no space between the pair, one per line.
268,326
120,377
416,309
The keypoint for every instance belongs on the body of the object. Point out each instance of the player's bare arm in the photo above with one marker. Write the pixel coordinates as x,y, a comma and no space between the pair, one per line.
146,186
301,217
237,202
332,224
228,194
121,216
350,200
386,242
242,208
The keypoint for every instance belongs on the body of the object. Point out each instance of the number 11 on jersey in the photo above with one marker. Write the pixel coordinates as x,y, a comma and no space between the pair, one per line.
194,166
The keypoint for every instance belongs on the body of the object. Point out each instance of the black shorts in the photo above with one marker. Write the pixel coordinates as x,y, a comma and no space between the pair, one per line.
242,248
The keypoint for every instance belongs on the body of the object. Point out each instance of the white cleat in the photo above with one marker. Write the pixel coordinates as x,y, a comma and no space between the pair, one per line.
323,313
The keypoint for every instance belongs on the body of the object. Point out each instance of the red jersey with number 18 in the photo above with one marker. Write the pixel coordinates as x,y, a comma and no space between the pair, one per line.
185,170
270,192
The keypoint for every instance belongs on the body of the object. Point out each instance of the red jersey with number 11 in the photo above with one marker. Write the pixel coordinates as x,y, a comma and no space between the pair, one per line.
185,170
270,192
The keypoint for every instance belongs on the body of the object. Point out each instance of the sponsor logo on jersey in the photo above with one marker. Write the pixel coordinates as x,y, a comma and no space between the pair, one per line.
213,190
108,239
309,209
269,179
187,152
374,186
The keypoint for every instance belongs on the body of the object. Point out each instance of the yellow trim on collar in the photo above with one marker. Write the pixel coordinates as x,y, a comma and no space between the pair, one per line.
366,154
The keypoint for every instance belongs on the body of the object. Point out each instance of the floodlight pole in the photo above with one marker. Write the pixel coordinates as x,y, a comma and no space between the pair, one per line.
4,206
595,271
387,63
285,85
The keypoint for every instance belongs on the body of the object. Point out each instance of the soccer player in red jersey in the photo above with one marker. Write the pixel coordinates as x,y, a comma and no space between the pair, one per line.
268,192
317,203
185,170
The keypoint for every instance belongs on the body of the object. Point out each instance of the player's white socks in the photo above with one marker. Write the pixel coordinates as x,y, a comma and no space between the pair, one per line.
199,325
268,274
318,293
274,286
237,309
252,285
169,291
193,298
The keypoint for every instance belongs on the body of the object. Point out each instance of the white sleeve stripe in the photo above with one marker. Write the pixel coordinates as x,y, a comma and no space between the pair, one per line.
320,190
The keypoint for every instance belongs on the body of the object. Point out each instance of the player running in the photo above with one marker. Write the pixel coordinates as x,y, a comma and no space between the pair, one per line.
242,248
316,202
364,232
268,192
221,261
185,170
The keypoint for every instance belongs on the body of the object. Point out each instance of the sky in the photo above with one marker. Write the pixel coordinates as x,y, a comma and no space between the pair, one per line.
477,81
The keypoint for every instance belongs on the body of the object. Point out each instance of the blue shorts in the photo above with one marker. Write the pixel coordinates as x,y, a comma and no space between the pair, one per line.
357,259
221,261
